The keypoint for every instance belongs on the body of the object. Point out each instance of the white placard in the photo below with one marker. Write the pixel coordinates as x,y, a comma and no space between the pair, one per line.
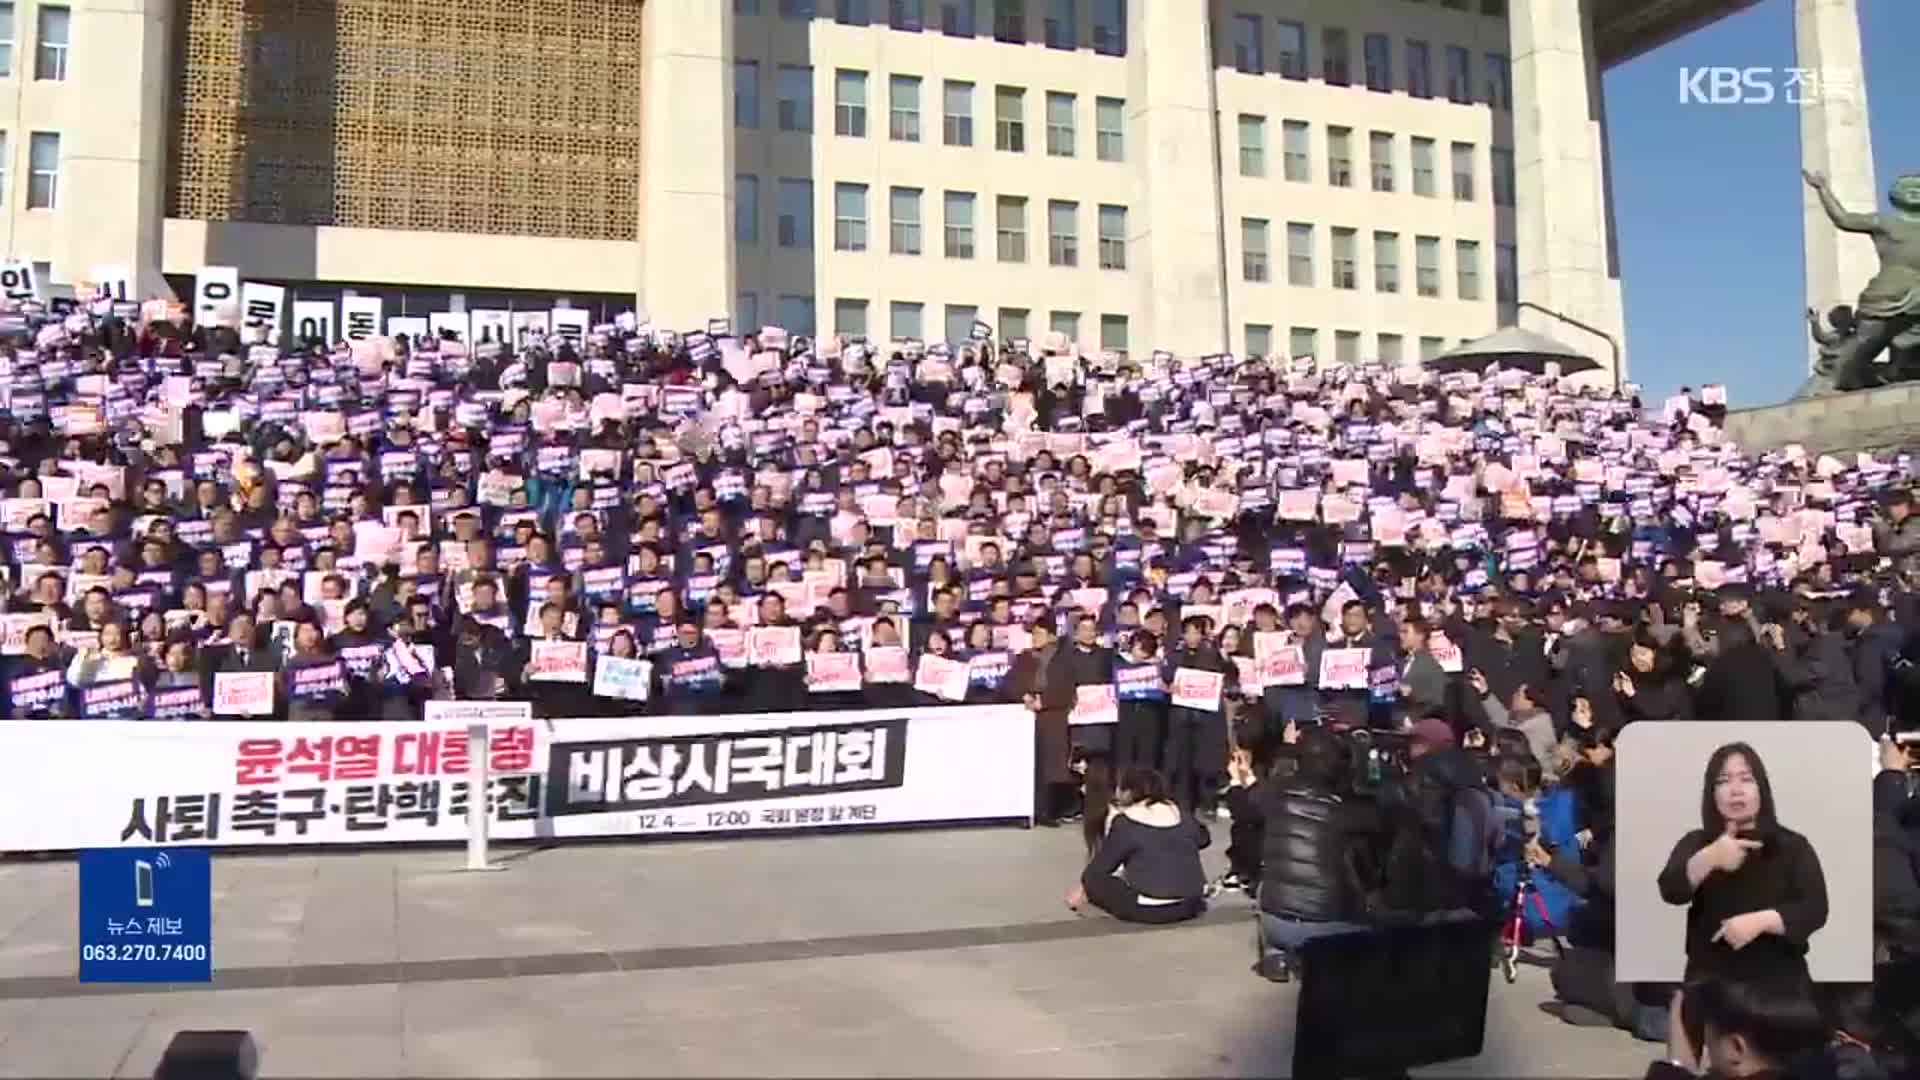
529,328
487,325
359,317
442,323
571,324
407,326
18,281
313,321
783,770
263,305
216,291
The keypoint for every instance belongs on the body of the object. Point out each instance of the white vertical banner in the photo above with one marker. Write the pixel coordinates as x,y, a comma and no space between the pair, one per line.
487,324
529,328
19,282
359,317
409,326
441,323
113,283
263,305
313,321
570,324
216,296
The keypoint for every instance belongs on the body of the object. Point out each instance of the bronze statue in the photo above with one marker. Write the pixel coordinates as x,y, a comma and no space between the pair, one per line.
1888,314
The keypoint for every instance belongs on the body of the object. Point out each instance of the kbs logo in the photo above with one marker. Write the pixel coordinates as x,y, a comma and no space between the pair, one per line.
1764,86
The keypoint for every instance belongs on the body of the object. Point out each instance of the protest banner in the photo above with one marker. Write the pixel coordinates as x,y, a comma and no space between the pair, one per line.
1196,689
243,693
557,661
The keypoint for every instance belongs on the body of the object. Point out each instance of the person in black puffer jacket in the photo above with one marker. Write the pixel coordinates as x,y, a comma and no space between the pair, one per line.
1315,847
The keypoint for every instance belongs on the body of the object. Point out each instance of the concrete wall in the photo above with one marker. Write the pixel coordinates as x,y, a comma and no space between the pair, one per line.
1867,420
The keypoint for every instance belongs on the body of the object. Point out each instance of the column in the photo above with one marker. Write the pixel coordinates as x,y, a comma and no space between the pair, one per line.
114,138
1834,139
1180,267
1561,216
686,164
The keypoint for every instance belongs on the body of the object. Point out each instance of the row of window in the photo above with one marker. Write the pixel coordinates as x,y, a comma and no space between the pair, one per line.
1012,21
1303,270
908,319
793,109
52,30
1290,60
1305,341
1383,164
793,223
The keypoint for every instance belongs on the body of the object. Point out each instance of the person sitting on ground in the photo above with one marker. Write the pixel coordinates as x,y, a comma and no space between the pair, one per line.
1147,867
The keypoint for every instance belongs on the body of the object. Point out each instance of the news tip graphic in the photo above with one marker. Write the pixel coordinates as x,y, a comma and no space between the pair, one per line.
146,915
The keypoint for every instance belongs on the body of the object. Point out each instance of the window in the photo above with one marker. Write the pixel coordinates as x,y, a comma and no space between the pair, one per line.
1110,27
1010,21
1430,349
959,224
1063,233
1345,274
746,94
794,211
1459,75
850,317
1506,273
1340,156
1013,323
1259,339
1334,64
43,171
956,18
1010,119
793,98
746,211
796,9
903,221
1292,55
960,320
1346,346
1303,341
1061,27
903,108
1060,134
1380,159
909,15
852,13
905,319
1463,171
1065,322
1253,145
1499,81
1110,129
1010,228
1253,250
746,308
1419,70
1296,156
796,314
1426,265
1113,333
1247,58
1377,55
1391,350
1502,176
51,27
1423,167
1113,238
850,103
1466,262
1386,262
1299,253
849,217
956,121
6,40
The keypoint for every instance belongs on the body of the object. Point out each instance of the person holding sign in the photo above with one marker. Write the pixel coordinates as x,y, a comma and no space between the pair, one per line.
1140,685
1197,731
1032,680
1083,663
833,673
36,680
553,668
315,680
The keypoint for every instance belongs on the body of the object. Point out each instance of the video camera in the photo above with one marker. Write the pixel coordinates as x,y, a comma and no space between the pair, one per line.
1378,758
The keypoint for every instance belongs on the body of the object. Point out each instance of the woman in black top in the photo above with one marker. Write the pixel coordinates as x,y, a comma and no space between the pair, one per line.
1147,868
1754,888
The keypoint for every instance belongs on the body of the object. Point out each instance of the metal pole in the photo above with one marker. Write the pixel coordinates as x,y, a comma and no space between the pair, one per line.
477,788
1578,325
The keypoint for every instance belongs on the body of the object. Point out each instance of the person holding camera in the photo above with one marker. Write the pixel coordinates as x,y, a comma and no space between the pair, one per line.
1441,832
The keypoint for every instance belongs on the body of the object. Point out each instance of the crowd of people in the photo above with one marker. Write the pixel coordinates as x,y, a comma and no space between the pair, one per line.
1205,575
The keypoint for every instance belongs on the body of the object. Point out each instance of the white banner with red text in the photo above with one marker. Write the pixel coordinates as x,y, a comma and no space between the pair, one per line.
260,784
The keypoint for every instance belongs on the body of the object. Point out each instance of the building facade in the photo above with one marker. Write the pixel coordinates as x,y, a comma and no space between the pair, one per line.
1355,180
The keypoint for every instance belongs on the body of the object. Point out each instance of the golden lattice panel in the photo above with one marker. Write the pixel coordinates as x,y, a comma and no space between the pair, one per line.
518,117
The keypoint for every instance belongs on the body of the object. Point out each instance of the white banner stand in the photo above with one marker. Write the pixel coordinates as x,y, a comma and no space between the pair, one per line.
477,791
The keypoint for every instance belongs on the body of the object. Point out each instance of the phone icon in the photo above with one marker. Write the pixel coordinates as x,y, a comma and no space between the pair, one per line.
142,883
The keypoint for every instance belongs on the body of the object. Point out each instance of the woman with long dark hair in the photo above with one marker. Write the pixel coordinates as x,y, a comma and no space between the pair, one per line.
1147,866
1754,889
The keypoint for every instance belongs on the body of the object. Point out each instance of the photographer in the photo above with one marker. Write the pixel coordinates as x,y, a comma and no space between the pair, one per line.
1441,830
1315,841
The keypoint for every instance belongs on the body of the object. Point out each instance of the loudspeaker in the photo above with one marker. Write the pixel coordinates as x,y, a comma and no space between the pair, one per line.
1380,1002
209,1055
